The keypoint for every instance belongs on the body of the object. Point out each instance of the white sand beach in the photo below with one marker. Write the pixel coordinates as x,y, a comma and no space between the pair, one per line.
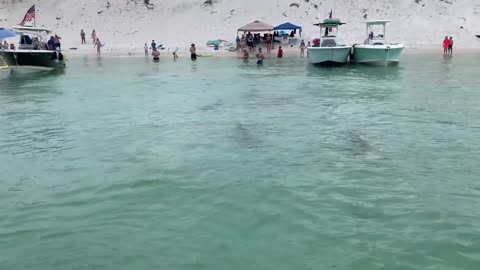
124,26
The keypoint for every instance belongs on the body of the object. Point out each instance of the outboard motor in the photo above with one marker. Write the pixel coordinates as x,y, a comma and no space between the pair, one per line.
352,52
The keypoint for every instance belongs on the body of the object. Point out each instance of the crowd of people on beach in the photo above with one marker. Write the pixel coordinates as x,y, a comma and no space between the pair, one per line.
247,43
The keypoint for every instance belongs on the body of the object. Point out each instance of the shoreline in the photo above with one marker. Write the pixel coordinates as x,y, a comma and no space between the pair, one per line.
289,51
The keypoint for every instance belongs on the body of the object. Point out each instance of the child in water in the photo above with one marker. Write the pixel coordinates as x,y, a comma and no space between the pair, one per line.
280,52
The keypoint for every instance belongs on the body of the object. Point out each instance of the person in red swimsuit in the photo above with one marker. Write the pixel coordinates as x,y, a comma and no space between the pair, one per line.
280,52
446,43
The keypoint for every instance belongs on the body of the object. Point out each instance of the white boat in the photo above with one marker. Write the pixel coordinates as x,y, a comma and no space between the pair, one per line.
329,50
376,50
31,54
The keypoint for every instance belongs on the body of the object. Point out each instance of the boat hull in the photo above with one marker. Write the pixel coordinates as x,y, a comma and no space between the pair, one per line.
328,55
33,60
377,54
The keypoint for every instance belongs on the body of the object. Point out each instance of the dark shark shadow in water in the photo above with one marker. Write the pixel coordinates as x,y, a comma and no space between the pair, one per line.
245,136
212,106
357,145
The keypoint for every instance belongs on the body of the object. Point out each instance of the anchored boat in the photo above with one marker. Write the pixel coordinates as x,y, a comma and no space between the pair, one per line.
376,50
328,49
32,53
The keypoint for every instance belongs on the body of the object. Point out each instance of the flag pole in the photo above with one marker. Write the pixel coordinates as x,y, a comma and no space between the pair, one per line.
35,17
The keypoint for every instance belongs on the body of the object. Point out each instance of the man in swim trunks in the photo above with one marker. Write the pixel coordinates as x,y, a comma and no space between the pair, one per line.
450,46
260,57
193,52
156,55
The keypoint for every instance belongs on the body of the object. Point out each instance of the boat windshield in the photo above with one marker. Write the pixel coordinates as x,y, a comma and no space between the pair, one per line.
375,34
329,31
32,41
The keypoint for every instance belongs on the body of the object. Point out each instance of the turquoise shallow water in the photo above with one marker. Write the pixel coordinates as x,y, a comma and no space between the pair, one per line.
126,164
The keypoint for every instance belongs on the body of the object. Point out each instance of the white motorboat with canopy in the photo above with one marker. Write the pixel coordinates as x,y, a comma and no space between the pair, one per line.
32,53
375,49
328,49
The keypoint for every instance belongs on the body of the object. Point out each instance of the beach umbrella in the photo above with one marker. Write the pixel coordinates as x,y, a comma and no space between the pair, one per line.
7,33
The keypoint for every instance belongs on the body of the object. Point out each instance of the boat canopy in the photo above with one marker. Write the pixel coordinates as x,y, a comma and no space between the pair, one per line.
256,26
377,22
329,24
26,29
287,26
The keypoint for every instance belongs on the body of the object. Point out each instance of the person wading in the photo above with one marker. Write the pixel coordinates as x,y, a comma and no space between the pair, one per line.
446,44
98,45
260,57
193,52
156,55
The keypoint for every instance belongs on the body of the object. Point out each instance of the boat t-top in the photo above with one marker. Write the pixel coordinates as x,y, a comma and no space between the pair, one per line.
32,53
375,49
328,49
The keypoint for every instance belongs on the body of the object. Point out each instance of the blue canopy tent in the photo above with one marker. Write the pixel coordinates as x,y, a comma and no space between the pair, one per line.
288,26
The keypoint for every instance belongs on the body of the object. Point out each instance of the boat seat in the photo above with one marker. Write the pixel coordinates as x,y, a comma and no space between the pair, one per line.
26,46
329,43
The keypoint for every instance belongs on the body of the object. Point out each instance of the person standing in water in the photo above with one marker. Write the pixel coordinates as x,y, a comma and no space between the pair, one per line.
280,52
450,46
146,49
94,36
260,57
245,55
446,44
156,55
268,43
98,45
193,52
302,48
82,35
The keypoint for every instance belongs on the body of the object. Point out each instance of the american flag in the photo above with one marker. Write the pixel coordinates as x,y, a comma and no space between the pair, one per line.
30,15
